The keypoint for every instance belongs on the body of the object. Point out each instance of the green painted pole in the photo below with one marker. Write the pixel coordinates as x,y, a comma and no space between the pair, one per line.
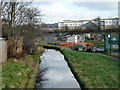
110,43
105,43
0,19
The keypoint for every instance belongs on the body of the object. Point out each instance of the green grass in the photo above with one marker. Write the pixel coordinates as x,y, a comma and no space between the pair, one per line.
92,70
20,74
99,44
45,40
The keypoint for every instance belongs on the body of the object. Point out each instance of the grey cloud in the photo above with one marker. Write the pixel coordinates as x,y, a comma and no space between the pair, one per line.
43,3
98,5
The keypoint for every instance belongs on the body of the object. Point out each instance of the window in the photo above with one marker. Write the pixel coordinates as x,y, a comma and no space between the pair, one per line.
50,26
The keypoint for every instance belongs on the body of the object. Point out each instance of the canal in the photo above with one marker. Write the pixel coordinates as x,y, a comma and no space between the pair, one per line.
56,72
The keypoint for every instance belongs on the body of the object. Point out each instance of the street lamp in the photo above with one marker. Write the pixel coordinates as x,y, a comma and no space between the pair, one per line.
0,19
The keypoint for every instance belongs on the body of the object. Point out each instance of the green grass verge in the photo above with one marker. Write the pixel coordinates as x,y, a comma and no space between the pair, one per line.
47,40
92,70
20,74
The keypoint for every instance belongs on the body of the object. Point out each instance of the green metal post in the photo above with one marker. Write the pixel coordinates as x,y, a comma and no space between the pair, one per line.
110,43
105,42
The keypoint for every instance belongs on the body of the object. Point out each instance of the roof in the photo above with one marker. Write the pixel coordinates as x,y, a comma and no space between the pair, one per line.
89,24
90,20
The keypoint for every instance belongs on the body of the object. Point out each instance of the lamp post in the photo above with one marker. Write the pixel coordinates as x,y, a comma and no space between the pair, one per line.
0,19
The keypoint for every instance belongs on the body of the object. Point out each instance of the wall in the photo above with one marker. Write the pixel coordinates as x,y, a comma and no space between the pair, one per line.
3,51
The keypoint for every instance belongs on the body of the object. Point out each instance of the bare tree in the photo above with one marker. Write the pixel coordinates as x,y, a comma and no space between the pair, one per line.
19,15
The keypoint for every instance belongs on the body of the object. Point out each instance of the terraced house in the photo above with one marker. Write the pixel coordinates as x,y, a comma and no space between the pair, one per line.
111,23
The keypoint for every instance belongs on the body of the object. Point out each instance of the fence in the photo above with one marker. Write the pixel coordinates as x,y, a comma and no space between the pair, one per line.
3,50
112,44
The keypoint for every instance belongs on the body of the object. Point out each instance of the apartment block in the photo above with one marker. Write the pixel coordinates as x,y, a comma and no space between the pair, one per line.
85,24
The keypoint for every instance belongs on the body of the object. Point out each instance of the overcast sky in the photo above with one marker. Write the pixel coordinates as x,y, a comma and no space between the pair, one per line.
64,10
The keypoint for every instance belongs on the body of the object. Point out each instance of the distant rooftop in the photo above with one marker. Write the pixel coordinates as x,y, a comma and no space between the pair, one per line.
89,24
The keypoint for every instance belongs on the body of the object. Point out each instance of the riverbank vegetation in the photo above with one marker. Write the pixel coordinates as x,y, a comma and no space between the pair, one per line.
21,72
91,70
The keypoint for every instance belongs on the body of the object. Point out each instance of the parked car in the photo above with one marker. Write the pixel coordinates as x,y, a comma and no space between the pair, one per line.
82,47
79,47
90,48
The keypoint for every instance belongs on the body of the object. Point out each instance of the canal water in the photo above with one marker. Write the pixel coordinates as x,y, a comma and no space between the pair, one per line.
55,71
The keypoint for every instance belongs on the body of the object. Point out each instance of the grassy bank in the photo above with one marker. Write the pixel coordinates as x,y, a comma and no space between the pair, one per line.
22,72
99,44
92,70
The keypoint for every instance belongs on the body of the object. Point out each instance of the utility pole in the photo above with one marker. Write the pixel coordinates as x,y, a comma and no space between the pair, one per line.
0,19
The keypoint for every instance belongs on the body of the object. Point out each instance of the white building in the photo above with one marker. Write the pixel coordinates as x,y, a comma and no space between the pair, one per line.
69,24
75,39
76,25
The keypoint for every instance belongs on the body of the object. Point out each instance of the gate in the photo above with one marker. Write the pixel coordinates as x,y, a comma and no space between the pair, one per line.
112,44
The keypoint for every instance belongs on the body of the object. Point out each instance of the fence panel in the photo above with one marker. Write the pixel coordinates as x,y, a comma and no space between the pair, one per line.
112,44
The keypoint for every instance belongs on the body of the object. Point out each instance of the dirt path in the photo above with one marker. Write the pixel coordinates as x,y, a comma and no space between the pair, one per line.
109,56
67,48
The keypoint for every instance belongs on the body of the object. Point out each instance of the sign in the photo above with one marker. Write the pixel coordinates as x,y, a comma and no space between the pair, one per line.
28,43
111,46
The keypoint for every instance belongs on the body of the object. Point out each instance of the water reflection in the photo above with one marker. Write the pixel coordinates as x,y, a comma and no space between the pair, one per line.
55,71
